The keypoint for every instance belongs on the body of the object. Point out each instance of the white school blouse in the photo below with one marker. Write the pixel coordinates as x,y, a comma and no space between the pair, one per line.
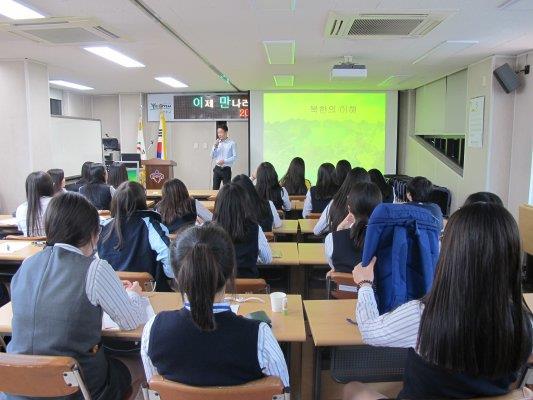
323,222
20,216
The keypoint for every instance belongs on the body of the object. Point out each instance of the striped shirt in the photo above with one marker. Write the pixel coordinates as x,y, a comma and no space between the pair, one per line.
287,205
104,289
308,205
397,328
269,354
276,220
323,222
265,253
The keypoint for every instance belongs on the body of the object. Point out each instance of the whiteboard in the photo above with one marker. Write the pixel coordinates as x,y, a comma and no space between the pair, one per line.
74,141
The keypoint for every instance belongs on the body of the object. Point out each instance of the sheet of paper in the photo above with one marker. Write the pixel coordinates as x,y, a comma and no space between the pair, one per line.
109,324
476,114
346,288
11,247
8,222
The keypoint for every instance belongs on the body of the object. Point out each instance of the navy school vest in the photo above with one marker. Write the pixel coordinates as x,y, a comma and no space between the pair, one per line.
183,353
318,204
98,194
345,255
247,251
187,219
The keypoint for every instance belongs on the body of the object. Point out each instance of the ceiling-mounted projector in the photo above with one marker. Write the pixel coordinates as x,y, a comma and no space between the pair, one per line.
348,70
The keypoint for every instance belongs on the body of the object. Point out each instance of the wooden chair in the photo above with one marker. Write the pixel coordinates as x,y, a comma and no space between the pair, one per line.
270,236
26,238
313,216
146,280
251,286
104,213
299,197
281,214
334,280
269,388
40,376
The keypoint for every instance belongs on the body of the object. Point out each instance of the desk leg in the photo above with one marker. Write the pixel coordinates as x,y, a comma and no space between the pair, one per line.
318,373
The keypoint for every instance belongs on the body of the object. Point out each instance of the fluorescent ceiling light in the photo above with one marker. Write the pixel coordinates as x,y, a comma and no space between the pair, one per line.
114,56
70,85
167,80
280,51
14,10
284,80
394,80
444,50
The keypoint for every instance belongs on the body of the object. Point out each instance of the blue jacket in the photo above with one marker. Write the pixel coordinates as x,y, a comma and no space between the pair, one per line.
405,240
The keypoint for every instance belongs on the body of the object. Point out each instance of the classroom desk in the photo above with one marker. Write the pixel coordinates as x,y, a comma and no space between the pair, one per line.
311,254
287,251
307,225
329,328
288,227
297,205
196,193
286,328
20,255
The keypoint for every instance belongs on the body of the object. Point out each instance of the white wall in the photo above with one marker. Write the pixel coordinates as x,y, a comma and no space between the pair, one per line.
521,168
24,127
130,111
487,168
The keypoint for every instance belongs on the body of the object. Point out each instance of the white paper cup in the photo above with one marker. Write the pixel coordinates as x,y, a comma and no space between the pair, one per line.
278,301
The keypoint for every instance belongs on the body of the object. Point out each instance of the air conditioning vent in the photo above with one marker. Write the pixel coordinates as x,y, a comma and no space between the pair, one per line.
378,26
62,31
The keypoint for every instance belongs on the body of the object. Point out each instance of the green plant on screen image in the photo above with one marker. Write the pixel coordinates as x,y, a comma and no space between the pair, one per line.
324,127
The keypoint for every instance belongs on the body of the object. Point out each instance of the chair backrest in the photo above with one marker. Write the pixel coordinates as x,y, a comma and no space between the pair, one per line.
104,213
270,236
336,279
251,286
145,279
268,388
40,376
299,197
313,216
525,225
26,238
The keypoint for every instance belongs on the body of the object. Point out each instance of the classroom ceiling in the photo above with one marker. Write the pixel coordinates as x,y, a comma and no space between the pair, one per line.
229,34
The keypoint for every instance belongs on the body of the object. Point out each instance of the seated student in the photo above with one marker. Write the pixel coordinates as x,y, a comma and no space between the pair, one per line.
469,336
268,187
483,197
75,187
387,191
294,180
266,214
96,190
134,239
59,294
58,179
342,169
205,343
30,214
418,191
116,175
177,208
336,210
344,247
251,245
319,196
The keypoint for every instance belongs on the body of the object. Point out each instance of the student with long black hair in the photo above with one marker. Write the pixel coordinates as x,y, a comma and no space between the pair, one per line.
319,196
116,175
265,214
342,169
205,343
178,208
59,294
483,197
75,187
30,214
97,191
387,191
472,332
58,179
344,247
134,239
336,210
232,213
268,188
294,179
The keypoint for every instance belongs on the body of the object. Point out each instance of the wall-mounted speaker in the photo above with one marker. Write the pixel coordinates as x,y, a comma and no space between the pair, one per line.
507,78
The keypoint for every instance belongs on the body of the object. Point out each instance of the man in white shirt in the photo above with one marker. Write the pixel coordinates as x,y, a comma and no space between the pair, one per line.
225,153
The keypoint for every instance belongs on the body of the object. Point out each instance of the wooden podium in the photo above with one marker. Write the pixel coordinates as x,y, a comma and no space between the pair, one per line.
158,172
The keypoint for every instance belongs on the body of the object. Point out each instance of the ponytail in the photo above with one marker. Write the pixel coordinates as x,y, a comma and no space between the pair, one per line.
203,260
